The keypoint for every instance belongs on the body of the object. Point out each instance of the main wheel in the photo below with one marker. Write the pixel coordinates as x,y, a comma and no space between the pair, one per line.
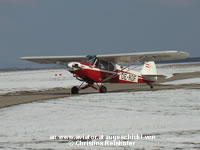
74,90
102,89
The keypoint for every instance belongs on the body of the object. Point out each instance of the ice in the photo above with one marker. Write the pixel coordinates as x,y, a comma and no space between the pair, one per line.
173,119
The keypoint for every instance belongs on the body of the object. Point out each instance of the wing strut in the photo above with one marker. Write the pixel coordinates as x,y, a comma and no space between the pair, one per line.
114,75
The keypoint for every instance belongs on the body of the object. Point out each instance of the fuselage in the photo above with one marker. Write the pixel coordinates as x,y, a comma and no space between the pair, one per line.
102,74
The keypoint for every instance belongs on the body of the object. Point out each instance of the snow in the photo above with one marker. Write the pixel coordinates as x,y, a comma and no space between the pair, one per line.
46,79
35,80
174,120
185,81
171,115
168,70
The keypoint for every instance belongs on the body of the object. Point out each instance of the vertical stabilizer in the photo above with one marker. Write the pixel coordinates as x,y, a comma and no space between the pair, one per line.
149,72
149,68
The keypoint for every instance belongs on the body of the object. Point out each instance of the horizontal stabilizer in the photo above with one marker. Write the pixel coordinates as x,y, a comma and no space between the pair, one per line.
149,76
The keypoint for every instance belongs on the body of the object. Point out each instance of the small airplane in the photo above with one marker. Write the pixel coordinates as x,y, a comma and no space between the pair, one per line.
99,69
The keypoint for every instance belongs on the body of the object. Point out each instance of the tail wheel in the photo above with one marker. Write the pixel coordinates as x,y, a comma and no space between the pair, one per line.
102,89
74,90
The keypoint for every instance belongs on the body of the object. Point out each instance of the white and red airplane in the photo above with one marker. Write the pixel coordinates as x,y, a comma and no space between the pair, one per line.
100,69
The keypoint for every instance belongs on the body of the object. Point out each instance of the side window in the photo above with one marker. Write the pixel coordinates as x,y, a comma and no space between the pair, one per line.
110,67
103,65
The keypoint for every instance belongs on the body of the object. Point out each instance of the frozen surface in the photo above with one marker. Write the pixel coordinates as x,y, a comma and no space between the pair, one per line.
174,120
35,80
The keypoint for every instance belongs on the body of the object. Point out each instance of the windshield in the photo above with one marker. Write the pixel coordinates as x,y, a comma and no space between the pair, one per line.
90,59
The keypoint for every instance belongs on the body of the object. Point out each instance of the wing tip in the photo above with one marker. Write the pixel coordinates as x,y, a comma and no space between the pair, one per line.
183,54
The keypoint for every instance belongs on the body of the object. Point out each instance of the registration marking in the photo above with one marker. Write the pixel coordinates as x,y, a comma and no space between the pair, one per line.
128,77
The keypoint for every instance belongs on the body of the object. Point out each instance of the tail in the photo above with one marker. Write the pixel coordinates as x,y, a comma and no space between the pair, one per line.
149,71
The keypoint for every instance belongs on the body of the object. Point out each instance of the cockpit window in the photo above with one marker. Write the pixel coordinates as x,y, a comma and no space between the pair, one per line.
104,65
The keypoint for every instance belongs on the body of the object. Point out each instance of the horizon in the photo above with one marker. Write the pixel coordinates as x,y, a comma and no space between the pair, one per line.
35,66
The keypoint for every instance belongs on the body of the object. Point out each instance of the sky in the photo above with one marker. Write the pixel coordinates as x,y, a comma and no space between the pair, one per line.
89,27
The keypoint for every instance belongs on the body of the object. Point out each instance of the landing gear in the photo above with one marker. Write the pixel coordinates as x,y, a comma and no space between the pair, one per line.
74,90
102,89
151,85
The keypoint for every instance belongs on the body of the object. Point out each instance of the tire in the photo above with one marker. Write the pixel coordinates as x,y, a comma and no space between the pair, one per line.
74,90
102,89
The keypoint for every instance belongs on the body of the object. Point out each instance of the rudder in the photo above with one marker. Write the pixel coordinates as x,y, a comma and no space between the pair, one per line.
149,68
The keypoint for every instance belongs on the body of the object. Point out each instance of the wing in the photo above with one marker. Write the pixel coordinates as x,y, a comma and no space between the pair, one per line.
63,60
146,56
114,58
